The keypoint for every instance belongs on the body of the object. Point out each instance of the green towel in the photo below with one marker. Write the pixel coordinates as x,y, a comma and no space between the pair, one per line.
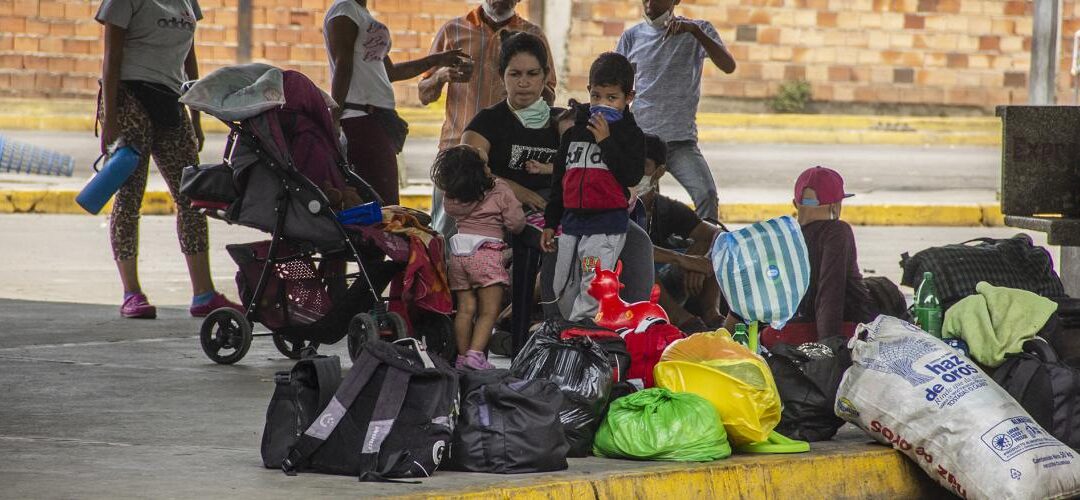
996,321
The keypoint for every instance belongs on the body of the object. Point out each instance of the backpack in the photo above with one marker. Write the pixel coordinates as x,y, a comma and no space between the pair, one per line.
508,425
1012,262
886,298
1046,388
646,346
391,417
581,369
299,395
808,387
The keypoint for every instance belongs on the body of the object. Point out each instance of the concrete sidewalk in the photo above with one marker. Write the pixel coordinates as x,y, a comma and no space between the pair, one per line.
101,407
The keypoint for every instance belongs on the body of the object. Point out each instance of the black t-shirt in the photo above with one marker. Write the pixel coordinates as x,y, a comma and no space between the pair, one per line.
670,217
512,144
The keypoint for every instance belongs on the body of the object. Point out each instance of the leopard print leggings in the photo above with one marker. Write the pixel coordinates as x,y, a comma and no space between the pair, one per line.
172,150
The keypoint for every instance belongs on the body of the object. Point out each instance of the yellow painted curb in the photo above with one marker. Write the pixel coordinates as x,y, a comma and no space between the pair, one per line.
426,123
160,203
851,122
871,472
801,136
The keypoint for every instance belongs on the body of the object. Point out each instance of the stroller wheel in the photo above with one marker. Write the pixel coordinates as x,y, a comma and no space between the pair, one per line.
396,323
362,328
293,350
225,336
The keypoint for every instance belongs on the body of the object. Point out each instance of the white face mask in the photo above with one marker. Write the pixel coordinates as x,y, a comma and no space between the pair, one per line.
495,16
647,184
660,22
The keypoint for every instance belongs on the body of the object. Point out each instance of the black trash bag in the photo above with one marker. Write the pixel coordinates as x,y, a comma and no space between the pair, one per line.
508,425
583,373
808,382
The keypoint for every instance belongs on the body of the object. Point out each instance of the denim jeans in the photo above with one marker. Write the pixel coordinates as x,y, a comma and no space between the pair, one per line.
686,163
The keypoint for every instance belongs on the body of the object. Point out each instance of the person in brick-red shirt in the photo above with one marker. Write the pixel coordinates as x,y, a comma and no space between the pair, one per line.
477,83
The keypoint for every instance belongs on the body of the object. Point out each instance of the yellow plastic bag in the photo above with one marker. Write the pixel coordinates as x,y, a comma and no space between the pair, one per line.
736,381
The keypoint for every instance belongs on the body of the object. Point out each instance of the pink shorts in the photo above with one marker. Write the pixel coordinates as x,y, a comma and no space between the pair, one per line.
485,267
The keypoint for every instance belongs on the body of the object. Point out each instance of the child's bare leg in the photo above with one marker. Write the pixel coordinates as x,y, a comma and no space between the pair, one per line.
490,300
463,319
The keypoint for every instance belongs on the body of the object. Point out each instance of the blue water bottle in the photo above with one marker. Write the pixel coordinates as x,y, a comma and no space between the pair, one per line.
120,165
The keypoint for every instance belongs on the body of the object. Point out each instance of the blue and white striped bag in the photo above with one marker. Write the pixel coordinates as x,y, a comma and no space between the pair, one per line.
763,270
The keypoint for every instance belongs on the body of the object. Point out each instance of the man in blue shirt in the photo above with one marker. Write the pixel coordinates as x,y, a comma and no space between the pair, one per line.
668,53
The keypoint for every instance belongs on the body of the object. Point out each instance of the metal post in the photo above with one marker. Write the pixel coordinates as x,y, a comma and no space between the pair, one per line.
243,31
1045,41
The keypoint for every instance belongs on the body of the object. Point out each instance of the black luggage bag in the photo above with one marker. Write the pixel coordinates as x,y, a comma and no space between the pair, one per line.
1011,262
1046,388
392,416
508,425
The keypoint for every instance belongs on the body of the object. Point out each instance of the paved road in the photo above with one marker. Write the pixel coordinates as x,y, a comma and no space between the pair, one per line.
66,258
760,166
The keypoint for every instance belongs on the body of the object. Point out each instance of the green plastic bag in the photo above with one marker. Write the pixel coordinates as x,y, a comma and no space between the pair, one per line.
657,424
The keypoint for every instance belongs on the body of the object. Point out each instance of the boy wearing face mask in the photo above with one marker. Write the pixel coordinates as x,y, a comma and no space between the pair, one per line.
837,299
599,158
668,53
681,242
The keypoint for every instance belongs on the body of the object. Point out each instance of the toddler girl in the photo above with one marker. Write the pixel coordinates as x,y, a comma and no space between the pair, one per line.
482,205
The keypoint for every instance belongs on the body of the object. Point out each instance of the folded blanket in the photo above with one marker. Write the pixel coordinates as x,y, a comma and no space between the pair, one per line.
996,321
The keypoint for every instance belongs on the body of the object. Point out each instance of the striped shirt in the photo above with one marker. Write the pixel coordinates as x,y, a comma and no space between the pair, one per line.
481,43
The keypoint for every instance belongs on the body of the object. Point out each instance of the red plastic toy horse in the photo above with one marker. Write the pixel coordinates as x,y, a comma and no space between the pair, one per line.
614,312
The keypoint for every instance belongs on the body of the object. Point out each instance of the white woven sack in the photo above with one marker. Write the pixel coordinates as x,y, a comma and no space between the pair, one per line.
912,391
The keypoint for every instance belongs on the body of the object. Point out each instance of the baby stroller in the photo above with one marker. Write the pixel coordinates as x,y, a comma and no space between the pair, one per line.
281,149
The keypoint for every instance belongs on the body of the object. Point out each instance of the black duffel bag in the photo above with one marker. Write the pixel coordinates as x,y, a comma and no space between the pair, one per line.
508,425
1012,262
1046,388
808,387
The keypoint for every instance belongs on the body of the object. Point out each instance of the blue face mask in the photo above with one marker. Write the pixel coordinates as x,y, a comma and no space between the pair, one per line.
610,114
810,202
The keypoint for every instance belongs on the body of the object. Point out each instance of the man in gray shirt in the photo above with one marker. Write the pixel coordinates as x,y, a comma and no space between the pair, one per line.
668,53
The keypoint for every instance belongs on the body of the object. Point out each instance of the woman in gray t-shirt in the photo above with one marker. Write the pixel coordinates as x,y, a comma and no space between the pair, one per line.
149,53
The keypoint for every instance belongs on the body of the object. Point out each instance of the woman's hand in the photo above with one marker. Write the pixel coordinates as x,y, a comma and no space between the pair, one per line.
451,57
110,132
547,240
535,167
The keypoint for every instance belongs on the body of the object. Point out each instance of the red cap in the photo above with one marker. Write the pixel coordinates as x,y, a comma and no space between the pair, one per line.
828,185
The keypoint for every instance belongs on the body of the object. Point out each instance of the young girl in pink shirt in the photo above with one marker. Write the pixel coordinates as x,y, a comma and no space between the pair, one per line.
483,206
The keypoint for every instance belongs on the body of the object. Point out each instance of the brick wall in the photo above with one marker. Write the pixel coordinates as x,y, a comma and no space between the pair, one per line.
936,52
950,52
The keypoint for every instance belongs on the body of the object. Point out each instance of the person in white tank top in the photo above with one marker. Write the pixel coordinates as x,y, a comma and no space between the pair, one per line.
361,70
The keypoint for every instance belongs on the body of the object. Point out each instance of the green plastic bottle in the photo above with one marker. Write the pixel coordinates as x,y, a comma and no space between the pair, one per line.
928,312
740,335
